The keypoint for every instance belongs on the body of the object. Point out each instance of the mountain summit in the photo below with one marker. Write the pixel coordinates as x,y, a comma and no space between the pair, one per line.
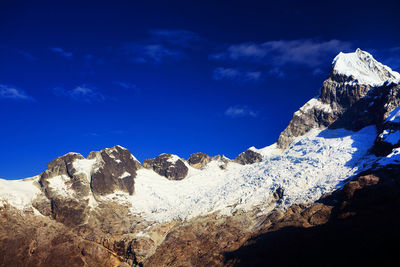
347,99
362,68
109,209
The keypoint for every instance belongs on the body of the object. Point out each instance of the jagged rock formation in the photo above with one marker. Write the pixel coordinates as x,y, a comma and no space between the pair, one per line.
116,171
69,190
199,160
347,95
167,165
248,157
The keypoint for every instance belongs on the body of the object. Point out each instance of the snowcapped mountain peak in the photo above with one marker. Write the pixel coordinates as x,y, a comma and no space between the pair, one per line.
363,68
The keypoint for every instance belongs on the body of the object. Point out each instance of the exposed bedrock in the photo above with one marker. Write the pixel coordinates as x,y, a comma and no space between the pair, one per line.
116,171
345,100
199,160
167,165
342,105
248,157
68,189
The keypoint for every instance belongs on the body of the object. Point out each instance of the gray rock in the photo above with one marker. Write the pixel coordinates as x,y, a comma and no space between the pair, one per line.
248,157
199,160
116,171
64,166
167,166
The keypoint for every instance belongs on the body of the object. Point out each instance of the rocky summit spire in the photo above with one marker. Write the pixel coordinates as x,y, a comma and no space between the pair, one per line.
346,99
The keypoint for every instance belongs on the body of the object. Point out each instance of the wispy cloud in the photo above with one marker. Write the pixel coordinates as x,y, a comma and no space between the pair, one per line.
26,55
126,85
161,45
151,53
275,55
236,74
81,93
10,92
240,111
61,52
182,38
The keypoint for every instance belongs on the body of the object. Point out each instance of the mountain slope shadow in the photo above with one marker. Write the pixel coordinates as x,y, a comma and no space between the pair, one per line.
363,228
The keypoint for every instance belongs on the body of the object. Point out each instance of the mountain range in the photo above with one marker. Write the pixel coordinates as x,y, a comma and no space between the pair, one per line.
326,193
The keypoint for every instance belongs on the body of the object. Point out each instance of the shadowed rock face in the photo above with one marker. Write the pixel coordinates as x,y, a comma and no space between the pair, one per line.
64,166
112,169
69,210
352,107
248,157
168,166
116,171
362,222
344,101
199,160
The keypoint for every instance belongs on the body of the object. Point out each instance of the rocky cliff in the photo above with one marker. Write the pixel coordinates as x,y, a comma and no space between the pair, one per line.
359,92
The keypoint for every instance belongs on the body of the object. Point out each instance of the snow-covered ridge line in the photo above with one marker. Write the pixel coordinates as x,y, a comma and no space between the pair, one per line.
363,68
314,165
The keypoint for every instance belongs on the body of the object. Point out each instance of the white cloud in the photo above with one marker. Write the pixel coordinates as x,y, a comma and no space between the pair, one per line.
126,85
81,93
239,111
8,92
276,55
161,45
154,53
236,74
175,37
61,52
27,55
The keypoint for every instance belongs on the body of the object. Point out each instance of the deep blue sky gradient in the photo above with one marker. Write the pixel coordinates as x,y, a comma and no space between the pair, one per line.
169,76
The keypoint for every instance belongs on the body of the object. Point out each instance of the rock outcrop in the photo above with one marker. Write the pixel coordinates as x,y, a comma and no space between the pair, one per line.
248,157
71,182
167,165
199,160
116,170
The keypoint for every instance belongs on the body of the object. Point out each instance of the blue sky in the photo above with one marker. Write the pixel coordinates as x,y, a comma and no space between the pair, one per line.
169,76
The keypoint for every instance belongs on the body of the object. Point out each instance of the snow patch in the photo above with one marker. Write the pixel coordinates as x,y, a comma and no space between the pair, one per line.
392,158
84,166
316,104
61,186
125,174
173,159
19,193
391,137
394,116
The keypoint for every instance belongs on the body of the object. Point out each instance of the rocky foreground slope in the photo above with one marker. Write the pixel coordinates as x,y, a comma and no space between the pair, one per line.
328,189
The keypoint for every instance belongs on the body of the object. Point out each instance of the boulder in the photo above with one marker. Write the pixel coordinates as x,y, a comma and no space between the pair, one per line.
248,157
